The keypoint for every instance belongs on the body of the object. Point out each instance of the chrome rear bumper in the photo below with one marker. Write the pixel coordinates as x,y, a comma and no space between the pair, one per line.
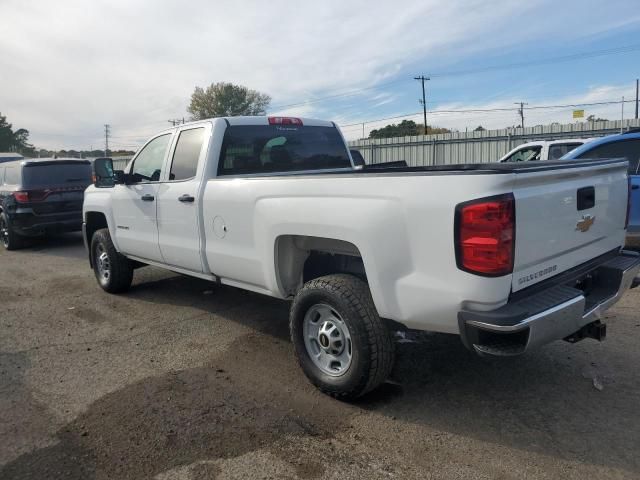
551,314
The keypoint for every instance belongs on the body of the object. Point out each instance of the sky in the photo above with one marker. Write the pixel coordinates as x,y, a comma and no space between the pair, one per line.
69,67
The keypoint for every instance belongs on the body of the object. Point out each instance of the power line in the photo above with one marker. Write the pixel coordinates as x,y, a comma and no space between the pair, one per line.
489,110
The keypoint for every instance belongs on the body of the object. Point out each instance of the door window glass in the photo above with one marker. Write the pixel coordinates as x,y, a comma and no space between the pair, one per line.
629,149
527,154
186,155
12,176
148,164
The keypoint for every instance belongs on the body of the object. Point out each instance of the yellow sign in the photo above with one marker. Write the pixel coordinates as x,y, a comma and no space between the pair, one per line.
578,114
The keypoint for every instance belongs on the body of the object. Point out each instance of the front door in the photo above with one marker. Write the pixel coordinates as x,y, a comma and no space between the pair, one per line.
179,202
135,204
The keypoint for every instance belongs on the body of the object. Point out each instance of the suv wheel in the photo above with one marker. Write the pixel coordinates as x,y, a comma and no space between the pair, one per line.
113,271
9,239
342,345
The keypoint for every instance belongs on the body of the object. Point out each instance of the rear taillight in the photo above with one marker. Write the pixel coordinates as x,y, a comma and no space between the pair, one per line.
285,121
27,196
485,235
21,197
626,219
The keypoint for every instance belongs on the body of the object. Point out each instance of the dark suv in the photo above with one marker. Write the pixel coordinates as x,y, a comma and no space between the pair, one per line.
41,196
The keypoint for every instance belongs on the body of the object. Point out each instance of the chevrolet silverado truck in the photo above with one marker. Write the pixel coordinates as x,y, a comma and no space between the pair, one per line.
507,256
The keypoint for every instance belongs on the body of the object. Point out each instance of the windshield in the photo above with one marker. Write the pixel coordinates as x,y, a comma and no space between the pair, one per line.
281,148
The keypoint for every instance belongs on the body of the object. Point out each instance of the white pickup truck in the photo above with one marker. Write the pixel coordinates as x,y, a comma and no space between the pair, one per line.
506,256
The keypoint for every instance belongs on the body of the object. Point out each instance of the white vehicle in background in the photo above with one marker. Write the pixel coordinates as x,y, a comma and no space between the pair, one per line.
543,150
507,256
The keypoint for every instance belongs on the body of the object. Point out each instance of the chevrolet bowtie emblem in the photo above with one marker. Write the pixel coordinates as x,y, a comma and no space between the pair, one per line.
586,222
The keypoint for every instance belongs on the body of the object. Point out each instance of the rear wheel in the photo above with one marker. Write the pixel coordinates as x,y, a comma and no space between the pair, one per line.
113,271
342,345
9,239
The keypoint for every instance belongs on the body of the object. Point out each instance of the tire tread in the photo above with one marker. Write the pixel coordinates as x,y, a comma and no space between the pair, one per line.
355,292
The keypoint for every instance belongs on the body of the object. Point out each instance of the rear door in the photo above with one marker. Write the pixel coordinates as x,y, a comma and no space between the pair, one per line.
179,202
135,204
566,217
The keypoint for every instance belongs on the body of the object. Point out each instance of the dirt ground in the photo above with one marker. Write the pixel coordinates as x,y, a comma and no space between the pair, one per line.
182,379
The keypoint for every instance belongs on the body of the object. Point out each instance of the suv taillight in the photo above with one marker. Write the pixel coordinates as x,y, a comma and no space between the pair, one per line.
30,196
485,233
21,197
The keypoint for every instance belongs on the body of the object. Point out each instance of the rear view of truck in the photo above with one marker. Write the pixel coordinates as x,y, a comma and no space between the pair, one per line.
560,233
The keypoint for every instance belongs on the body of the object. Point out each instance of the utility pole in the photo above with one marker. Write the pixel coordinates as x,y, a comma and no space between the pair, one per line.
521,112
637,85
422,78
176,121
622,115
107,131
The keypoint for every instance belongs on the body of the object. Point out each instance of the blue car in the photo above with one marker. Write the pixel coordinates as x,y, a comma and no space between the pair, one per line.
625,145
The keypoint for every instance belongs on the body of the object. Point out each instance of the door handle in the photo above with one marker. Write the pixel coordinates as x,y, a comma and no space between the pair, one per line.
186,198
147,198
635,187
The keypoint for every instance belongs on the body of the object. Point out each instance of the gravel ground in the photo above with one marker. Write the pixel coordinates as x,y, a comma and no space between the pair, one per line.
182,379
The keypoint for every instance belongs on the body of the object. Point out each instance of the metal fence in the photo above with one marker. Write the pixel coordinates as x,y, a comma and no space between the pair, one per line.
119,163
477,147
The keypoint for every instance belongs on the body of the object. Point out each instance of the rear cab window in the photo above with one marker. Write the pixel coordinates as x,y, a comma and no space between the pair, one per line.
60,173
558,150
265,149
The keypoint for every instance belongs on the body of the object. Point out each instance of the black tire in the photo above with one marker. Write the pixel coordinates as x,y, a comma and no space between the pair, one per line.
10,240
120,268
372,346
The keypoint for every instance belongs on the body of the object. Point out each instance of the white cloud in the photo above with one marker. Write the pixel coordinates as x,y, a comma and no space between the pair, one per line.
68,67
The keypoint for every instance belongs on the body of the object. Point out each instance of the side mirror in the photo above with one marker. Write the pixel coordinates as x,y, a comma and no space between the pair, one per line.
104,174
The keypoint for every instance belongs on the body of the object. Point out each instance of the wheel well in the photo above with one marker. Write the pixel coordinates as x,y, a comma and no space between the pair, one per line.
302,258
94,222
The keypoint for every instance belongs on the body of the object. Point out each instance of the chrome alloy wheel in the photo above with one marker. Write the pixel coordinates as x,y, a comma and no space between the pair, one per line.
327,340
103,263
4,232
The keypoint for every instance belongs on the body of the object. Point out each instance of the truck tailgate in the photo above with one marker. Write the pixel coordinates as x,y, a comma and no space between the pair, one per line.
566,216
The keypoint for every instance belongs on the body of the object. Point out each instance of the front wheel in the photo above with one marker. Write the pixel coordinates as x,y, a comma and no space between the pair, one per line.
342,345
113,271
10,240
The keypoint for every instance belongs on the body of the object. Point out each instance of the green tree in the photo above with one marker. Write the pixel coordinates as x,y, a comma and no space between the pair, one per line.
227,100
593,118
11,141
479,128
404,129
6,135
